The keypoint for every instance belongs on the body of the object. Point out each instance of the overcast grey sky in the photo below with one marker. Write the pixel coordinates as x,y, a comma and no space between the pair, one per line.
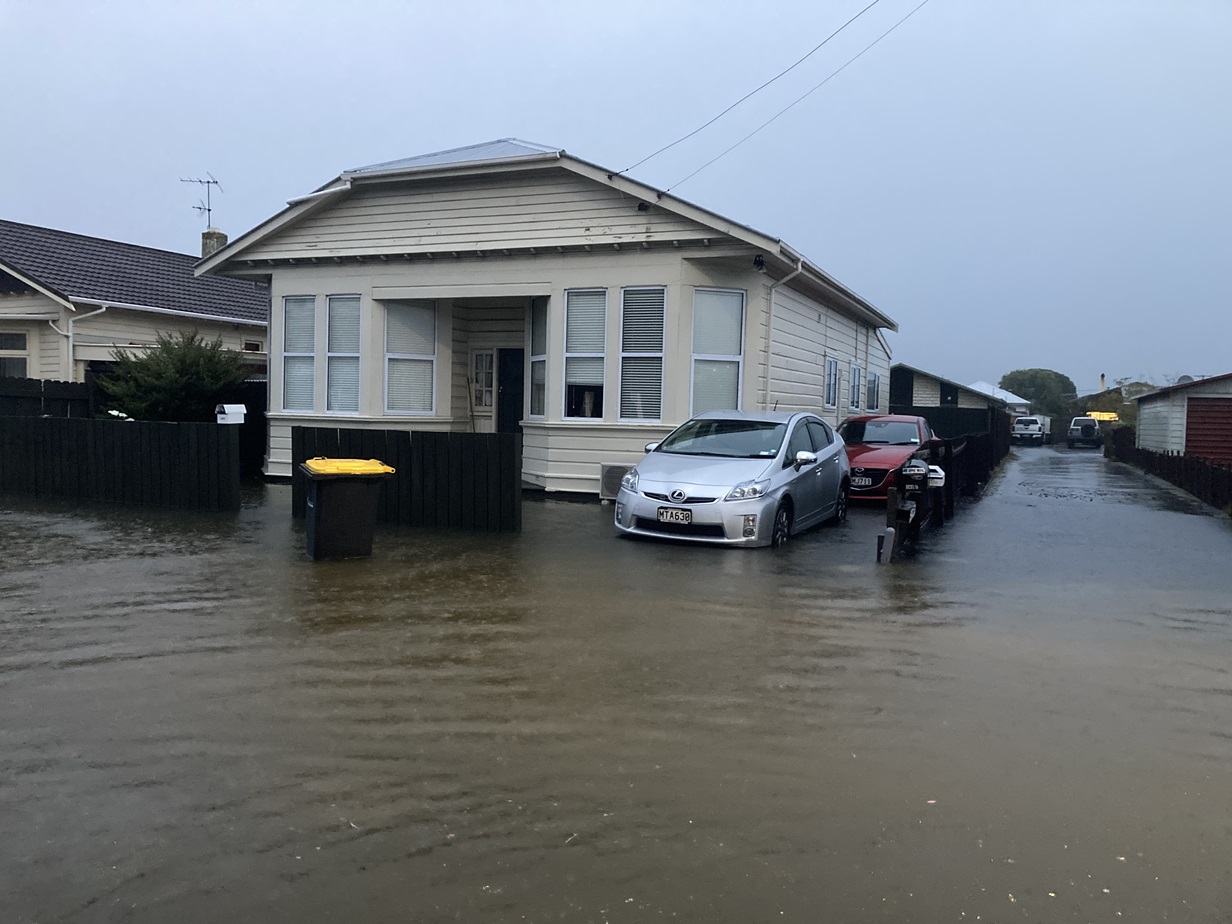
1018,183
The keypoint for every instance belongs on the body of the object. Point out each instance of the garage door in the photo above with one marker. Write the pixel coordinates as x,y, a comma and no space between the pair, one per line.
1208,429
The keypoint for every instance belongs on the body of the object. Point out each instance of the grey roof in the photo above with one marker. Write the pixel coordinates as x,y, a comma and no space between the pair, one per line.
1181,386
76,267
500,150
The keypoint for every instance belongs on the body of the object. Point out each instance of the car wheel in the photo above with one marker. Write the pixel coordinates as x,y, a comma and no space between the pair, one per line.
840,504
1069,443
782,525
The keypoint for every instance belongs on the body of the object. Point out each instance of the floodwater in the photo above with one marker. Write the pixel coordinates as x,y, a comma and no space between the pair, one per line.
1029,718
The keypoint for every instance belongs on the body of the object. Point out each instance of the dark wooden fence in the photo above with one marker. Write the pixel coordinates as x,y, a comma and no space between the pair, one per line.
185,465
1210,482
38,398
450,480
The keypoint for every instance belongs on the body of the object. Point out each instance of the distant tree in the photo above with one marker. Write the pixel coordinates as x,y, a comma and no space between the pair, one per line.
181,378
1049,392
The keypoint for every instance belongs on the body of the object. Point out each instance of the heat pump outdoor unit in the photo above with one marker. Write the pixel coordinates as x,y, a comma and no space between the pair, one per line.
609,479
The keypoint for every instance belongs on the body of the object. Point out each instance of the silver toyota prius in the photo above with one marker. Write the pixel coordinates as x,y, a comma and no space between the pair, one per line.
737,478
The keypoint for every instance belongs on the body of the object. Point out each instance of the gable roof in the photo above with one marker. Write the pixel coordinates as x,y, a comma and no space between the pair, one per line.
75,268
1181,386
933,375
994,391
502,150
509,154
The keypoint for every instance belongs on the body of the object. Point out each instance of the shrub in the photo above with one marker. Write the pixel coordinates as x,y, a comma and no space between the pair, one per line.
182,378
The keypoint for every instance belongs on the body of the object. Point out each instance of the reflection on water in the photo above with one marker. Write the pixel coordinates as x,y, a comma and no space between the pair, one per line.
561,725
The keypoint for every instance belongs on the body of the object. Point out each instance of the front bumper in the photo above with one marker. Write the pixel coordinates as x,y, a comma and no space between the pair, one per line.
718,522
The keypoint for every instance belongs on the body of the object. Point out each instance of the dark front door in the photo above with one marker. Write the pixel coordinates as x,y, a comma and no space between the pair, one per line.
509,369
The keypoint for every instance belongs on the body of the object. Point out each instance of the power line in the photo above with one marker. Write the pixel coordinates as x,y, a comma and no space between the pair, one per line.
798,101
751,92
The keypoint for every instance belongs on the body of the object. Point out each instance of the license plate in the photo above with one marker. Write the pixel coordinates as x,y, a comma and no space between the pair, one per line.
675,515
861,481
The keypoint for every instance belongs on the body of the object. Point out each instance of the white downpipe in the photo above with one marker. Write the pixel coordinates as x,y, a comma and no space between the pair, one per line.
765,391
72,359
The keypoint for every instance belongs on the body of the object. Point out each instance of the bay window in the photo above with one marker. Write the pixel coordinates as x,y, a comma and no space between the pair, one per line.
585,346
538,356
410,357
641,353
299,318
342,354
718,349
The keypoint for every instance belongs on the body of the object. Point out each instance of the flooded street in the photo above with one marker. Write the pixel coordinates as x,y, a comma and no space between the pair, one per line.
1028,719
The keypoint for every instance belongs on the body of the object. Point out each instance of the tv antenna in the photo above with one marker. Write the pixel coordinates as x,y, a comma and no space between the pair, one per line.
205,207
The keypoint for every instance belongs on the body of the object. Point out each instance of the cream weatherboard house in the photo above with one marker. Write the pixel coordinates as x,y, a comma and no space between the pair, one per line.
511,286
68,301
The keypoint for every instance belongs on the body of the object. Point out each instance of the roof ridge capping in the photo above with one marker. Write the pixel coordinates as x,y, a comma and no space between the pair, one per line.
500,149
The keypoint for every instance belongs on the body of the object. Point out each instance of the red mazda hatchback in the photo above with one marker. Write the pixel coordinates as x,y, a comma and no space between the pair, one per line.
877,447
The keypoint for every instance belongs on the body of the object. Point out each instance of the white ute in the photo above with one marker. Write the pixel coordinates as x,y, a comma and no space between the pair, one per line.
1032,429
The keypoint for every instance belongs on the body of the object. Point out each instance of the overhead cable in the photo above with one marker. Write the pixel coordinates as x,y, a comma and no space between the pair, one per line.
782,73
850,61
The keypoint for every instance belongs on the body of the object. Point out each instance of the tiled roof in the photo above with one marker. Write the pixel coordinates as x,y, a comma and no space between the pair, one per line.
502,149
78,267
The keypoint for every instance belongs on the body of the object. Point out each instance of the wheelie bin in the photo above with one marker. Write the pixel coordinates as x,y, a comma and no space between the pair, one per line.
341,505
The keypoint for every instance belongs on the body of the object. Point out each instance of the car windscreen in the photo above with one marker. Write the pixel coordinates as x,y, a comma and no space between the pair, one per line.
889,432
736,439
1027,422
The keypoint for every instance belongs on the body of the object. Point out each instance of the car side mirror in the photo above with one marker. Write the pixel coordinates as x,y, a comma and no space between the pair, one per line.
804,457
651,447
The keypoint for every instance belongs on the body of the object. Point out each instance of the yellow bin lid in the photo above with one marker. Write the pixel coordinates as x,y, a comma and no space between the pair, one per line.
321,466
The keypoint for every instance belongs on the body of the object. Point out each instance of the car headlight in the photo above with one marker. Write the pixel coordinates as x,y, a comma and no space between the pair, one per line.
747,490
629,481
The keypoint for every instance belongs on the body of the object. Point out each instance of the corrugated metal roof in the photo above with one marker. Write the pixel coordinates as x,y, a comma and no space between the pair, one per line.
1181,386
994,391
501,149
75,266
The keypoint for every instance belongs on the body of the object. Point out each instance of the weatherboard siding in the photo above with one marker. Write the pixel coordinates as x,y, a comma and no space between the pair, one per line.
536,209
117,327
806,333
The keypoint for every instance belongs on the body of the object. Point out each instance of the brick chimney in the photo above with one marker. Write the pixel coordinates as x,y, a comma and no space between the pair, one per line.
211,240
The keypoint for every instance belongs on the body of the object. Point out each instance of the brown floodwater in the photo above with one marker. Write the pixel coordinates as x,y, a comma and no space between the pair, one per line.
1028,718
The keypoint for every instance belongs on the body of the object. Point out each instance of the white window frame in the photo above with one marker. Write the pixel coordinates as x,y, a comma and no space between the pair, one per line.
855,385
737,358
537,358
331,355
872,394
635,354
22,354
423,357
486,388
601,356
832,383
286,354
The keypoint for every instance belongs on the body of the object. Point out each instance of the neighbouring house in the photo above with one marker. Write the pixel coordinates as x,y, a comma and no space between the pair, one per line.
509,286
68,301
1016,405
951,409
1192,418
